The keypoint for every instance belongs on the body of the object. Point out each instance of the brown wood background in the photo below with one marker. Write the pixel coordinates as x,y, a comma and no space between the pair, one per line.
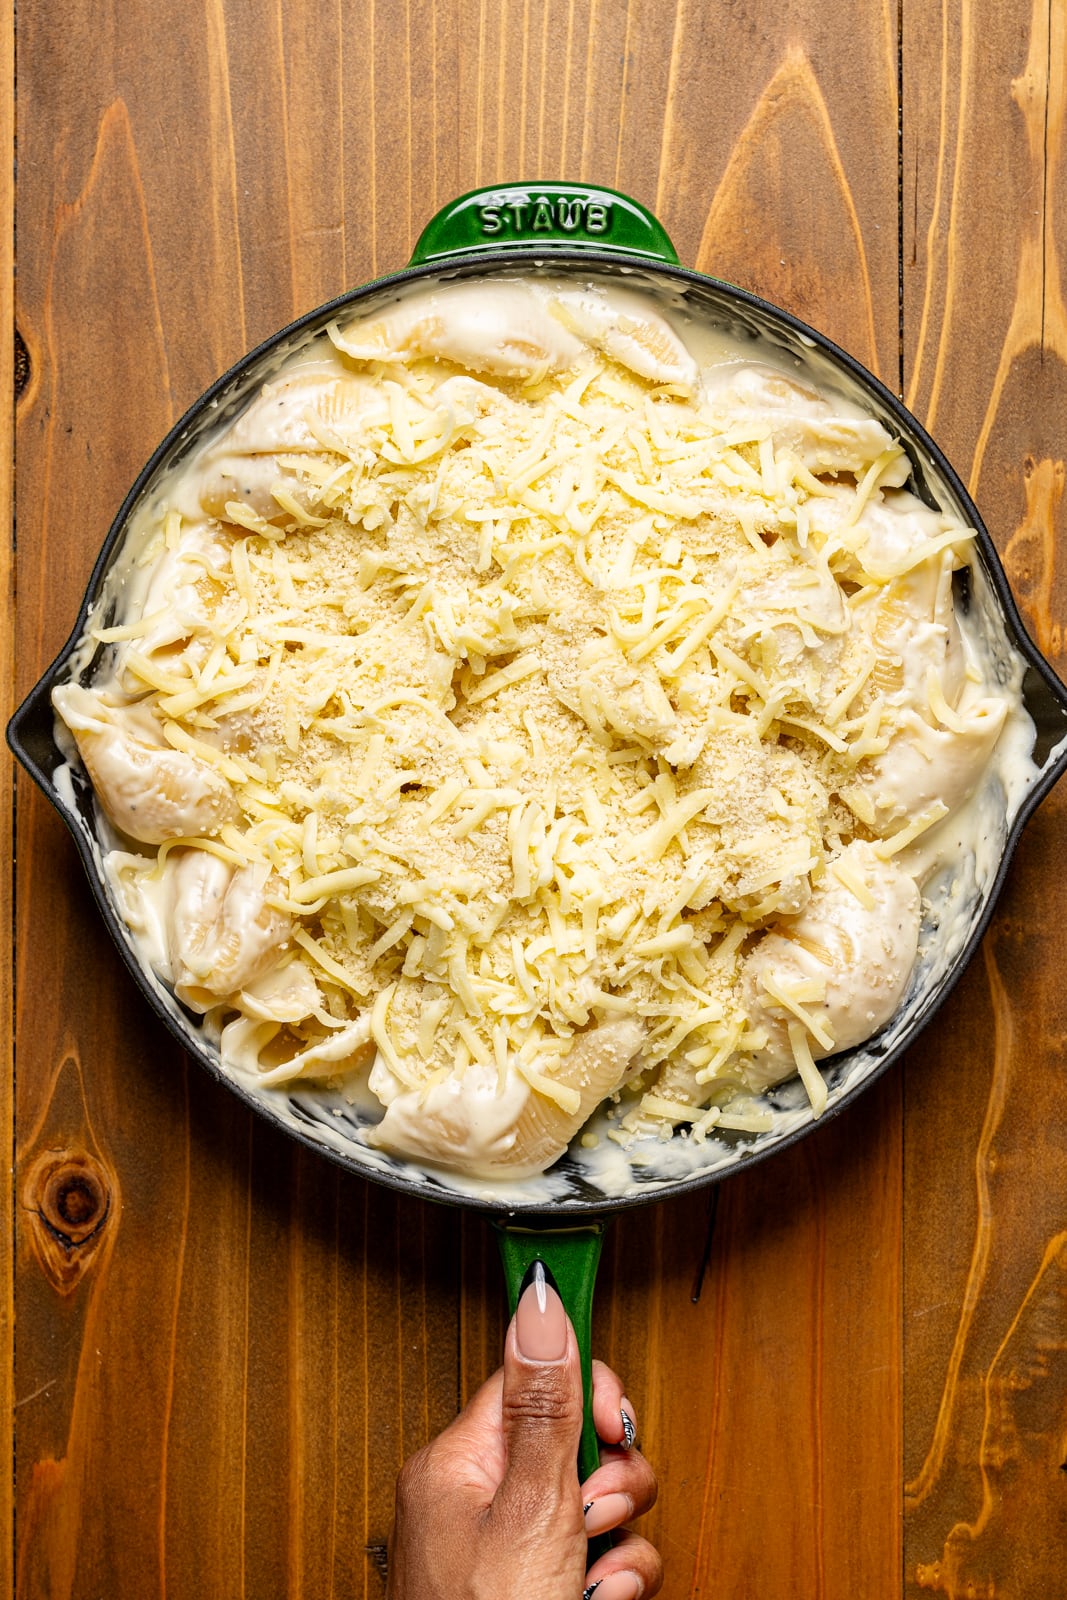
223,1347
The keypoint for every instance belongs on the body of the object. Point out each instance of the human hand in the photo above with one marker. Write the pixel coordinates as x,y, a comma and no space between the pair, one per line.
492,1508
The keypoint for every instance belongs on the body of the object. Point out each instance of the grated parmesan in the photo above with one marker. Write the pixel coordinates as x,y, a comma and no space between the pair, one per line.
544,694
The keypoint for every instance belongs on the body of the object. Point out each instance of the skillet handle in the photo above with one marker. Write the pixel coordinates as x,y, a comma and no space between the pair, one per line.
572,1255
548,216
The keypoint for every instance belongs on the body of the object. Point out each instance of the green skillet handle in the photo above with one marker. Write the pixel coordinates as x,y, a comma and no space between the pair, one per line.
552,216
572,1255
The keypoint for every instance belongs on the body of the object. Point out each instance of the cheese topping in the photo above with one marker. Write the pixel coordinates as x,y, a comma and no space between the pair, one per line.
518,691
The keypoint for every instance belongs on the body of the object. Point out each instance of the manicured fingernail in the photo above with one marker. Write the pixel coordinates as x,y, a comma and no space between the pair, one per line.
616,1586
629,1426
588,1593
608,1512
540,1321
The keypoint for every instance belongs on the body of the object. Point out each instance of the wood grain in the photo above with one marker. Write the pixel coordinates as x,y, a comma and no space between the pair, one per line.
226,1347
7,818
985,247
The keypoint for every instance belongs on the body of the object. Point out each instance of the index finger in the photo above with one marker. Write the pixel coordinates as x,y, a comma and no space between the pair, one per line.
613,1413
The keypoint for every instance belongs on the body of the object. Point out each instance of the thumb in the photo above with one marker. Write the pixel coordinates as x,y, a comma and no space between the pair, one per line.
541,1403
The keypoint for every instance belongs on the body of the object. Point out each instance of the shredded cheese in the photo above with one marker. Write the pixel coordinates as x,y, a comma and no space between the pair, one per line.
539,703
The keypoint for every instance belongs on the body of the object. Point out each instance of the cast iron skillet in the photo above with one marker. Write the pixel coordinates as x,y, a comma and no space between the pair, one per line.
582,231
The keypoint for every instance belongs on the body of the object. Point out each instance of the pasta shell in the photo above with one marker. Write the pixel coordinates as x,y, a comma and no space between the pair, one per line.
224,935
479,1126
625,327
299,414
283,994
289,414
924,764
148,790
248,1045
859,954
912,627
823,436
500,328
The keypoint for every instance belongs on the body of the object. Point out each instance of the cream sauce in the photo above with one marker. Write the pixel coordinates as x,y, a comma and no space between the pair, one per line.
954,862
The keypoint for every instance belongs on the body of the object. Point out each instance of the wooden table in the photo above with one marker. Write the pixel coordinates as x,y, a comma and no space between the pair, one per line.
855,1385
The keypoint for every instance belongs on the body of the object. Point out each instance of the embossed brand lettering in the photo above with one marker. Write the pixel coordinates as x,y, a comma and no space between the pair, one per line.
542,214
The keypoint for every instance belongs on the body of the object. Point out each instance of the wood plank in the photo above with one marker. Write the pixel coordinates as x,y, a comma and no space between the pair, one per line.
986,1171
7,818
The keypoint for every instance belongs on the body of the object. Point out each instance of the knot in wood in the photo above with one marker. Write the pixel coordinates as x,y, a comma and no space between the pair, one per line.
75,1200
22,365
71,1195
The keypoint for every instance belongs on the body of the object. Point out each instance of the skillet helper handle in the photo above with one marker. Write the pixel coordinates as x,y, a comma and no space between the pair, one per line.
548,216
572,1255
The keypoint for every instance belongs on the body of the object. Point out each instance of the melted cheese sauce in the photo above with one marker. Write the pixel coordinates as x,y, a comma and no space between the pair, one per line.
536,704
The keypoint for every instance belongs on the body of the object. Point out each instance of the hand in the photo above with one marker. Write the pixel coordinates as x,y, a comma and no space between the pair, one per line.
492,1508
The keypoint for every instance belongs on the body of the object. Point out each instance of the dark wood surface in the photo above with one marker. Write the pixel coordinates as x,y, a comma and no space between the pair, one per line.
852,1379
